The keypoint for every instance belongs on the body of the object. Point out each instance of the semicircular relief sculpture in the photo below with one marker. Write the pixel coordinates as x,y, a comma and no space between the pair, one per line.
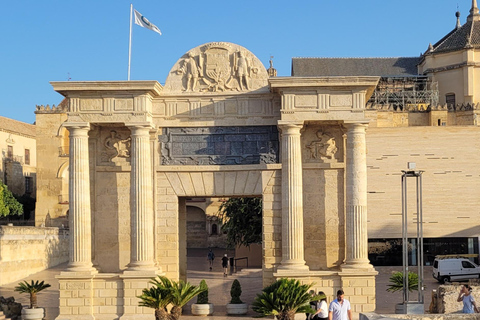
217,67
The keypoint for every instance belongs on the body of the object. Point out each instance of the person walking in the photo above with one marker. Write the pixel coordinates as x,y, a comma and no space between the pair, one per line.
465,296
225,264
322,308
313,305
210,257
339,308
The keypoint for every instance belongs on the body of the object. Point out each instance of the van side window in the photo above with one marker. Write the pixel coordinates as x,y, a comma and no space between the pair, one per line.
435,264
466,264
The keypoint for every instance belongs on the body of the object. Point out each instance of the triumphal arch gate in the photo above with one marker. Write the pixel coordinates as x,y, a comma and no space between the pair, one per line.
220,127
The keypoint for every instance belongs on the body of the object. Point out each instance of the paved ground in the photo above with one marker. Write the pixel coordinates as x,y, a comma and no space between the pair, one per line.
219,287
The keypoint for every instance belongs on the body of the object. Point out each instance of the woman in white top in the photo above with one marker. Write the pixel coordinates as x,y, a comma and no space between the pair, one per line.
322,307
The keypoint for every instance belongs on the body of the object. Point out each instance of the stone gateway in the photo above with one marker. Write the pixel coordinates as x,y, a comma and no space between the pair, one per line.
220,127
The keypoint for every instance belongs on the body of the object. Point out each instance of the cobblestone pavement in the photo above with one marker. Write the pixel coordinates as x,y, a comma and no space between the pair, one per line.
219,287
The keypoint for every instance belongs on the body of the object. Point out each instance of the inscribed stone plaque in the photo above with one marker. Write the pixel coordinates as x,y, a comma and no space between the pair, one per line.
219,145
91,104
341,100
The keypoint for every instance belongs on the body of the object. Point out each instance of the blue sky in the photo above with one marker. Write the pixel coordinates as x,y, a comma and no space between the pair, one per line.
87,40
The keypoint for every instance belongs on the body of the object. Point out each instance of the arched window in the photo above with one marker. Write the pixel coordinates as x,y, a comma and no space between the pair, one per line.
214,229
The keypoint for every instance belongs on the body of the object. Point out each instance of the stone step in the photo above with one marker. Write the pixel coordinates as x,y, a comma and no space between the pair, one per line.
249,273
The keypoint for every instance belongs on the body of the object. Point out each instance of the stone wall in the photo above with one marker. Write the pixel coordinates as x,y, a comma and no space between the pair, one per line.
446,296
449,156
27,250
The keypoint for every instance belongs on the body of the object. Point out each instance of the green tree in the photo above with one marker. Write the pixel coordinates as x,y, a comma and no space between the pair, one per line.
8,204
396,281
242,221
283,299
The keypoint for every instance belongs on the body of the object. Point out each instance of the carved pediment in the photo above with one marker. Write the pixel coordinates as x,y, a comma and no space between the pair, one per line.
217,67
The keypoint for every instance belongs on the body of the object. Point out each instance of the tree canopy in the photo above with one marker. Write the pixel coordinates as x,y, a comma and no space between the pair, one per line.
8,204
242,221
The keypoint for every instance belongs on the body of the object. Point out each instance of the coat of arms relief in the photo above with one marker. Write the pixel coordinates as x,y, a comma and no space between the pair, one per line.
219,67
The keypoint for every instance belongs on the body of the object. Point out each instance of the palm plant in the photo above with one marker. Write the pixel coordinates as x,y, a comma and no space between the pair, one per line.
283,299
396,282
165,292
180,293
32,288
157,299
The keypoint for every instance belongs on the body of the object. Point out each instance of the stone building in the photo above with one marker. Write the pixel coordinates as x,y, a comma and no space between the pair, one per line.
18,165
424,110
314,146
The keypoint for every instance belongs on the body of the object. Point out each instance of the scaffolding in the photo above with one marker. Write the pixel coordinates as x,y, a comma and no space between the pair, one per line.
405,93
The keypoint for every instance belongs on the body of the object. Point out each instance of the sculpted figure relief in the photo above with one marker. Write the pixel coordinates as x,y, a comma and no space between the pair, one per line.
192,71
324,147
116,146
243,71
217,67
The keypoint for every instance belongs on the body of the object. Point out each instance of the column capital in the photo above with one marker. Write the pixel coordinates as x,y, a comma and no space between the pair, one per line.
356,124
140,125
290,127
77,125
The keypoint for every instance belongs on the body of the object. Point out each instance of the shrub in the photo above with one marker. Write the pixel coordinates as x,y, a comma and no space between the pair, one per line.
236,292
203,296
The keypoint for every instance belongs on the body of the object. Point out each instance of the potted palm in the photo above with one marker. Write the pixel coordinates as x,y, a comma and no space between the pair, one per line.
202,307
283,299
32,288
236,305
396,284
165,292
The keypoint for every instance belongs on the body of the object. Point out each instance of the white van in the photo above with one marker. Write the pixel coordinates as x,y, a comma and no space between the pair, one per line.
452,269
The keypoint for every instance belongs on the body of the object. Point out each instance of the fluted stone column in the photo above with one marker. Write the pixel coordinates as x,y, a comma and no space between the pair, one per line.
292,197
356,197
141,196
79,199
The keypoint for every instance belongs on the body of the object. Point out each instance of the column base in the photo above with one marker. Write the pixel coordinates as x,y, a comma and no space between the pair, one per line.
356,266
293,266
142,267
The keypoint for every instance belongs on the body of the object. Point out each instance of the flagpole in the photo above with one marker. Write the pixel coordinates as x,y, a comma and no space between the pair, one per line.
130,42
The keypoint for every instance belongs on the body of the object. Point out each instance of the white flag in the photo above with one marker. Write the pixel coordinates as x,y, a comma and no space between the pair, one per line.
143,22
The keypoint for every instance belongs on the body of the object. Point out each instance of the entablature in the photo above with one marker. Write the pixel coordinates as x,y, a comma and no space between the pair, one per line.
323,98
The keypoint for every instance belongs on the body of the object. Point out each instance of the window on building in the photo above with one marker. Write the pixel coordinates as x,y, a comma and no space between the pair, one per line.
214,229
27,156
10,152
450,99
28,185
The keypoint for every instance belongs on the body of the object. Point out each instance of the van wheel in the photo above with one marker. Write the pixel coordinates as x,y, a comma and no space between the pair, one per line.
444,280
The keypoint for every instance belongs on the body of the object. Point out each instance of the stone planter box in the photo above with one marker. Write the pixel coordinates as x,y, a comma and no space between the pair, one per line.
32,314
237,309
202,309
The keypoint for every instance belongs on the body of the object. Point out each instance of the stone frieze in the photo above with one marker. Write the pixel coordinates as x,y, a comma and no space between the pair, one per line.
219,145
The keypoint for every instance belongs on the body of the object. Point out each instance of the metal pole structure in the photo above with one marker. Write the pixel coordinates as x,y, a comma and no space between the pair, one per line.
404,238
130,42
419,242
420,236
